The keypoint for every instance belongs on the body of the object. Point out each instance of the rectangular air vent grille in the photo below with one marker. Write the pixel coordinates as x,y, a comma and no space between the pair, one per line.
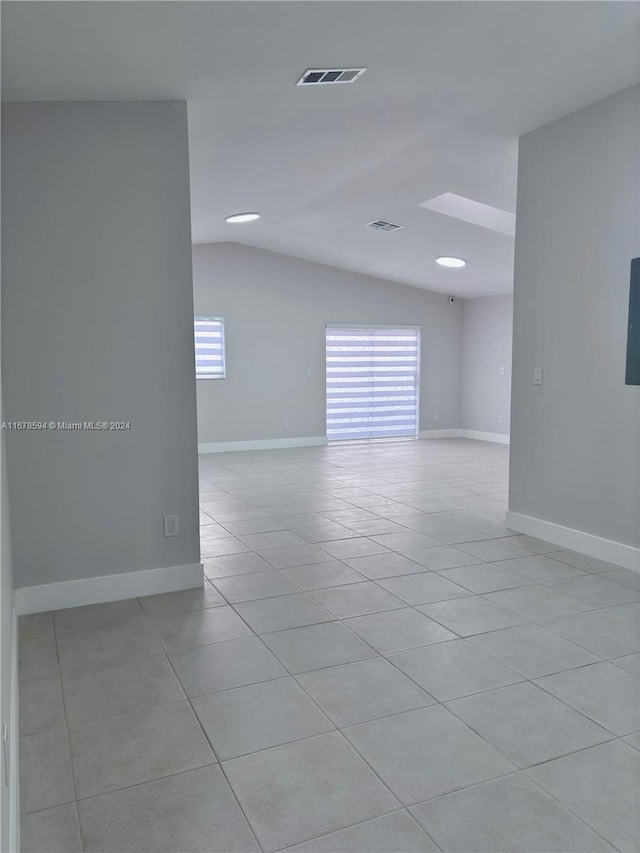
324,76
384,225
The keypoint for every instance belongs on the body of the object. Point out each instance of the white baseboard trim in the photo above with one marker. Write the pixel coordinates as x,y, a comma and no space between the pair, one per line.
14,742
53,596
478,435
474,434
262,444
575,540
320,440
439,433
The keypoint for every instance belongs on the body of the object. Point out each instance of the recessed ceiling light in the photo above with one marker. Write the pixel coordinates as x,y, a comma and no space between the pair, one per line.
446,261
243,217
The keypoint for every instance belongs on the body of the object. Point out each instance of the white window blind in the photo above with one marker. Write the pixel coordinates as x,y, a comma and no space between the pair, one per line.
372,381
209,340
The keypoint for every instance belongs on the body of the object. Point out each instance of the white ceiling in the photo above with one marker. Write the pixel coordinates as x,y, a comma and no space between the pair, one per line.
449,88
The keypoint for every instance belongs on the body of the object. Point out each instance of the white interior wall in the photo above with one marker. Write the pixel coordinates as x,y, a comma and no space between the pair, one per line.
276,308
97,313
575,439
487,325
9,806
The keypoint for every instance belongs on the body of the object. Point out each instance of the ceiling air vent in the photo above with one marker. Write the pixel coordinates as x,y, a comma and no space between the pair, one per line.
383,225
322,76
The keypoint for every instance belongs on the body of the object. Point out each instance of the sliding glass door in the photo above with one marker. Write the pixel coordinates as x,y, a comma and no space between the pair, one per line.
372,382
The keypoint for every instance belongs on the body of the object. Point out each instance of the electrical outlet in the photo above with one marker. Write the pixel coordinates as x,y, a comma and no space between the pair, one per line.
171,525
499,419
502,371
436,416
286,423
309,371
537,376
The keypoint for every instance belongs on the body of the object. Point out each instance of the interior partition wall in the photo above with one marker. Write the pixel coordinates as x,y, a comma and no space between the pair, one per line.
373,380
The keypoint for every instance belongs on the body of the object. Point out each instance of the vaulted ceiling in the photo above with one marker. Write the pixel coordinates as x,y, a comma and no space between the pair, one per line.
450,87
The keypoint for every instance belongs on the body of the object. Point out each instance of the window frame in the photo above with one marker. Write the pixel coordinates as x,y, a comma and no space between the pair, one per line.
417,328
211,319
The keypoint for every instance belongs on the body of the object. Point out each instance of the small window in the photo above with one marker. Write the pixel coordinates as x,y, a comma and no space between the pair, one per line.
209,339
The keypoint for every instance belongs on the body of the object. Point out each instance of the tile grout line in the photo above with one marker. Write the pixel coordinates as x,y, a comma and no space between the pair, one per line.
384,500
204,733
403,810
526,681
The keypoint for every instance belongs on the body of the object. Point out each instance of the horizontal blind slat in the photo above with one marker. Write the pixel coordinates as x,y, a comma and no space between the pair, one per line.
372,382
209,347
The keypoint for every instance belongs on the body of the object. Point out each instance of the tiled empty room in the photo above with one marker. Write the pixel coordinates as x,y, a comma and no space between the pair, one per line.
320,427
